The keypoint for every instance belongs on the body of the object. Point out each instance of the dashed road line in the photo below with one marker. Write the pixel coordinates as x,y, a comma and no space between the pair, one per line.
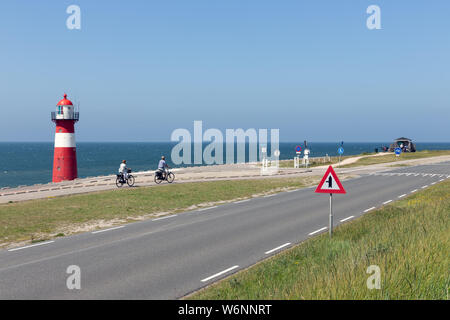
242,201
207,208
32,245
314,232
401,196
166,217
424,187
348,218
367,210
386,202
278,248
220,273
269,195
414,191
109,229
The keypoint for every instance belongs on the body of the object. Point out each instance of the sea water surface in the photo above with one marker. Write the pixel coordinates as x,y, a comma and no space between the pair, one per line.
27,163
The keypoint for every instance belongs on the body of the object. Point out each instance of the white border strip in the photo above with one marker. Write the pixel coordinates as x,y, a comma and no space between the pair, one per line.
32,245
104,230
348,218
367,210
277,248
220,273
386,202
241,201
207,208
166,217
314,232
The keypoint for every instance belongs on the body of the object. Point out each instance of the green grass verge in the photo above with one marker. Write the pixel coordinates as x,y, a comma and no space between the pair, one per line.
393,158
36,219
409,240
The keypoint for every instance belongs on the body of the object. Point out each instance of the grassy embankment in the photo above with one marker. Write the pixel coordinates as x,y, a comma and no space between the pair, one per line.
37,220
393,158
409,240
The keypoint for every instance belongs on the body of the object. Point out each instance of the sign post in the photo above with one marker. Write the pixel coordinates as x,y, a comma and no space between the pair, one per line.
330,184
298,151
341,152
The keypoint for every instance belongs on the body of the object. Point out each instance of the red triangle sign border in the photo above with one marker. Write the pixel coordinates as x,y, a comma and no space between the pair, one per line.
341,187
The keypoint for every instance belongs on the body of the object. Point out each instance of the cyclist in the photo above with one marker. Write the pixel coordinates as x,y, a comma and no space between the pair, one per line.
162,165
123,170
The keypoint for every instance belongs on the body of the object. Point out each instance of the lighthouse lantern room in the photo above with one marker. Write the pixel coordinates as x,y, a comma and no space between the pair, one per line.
65,157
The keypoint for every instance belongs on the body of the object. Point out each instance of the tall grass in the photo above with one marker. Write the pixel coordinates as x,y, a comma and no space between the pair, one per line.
409,240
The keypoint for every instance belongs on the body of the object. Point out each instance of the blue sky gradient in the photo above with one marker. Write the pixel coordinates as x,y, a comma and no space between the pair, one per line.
141,69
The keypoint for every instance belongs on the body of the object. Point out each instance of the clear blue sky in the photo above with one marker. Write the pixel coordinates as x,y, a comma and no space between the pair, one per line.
310,68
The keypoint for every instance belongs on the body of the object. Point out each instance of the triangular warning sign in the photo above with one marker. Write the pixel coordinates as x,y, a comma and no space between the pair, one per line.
330,183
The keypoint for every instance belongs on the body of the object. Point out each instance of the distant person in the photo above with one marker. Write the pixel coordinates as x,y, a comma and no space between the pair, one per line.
162,165
123,170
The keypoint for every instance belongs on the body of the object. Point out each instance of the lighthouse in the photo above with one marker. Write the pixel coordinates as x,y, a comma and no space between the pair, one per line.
65,155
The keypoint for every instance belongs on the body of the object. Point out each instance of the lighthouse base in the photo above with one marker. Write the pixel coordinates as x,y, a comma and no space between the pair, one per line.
64,164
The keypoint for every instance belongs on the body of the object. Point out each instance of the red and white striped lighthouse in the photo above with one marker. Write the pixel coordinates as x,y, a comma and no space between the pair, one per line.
65,155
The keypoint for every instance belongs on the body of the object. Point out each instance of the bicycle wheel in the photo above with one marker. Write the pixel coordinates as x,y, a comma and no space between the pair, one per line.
170,177
157,180
119,182
130,180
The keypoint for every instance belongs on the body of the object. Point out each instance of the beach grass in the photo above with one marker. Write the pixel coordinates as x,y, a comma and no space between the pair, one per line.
409,240
47,218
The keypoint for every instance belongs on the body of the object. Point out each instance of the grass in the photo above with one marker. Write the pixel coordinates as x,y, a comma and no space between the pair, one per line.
409,240
393,158
54,217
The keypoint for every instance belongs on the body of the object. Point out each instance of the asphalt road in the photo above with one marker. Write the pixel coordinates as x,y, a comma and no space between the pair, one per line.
169,257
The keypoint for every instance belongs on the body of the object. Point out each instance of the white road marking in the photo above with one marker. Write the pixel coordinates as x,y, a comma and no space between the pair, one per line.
278,248
401,196
220,273
386,202
348,218
294,190
104,230
270,195
441,180
32,245
207,208
242,201
367,210
314,232
432,183
424,187
414,191
166,217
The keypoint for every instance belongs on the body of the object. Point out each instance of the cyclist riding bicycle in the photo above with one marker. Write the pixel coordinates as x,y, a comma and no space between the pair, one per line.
123,170
162,165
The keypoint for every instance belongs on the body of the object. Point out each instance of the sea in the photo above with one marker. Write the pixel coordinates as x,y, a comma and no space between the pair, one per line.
28,163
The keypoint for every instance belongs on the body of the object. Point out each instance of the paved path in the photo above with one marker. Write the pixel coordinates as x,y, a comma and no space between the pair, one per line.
169,257
204,173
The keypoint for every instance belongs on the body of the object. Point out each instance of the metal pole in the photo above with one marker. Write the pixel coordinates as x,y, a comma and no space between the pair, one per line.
331,214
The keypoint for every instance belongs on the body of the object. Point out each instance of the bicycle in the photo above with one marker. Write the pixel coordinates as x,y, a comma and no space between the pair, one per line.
168,176
120,181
